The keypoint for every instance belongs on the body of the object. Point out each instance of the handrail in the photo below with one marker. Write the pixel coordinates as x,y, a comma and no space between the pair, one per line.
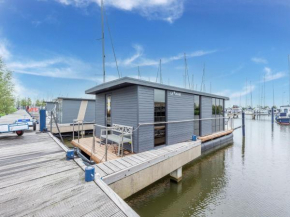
78,122
52,116
231,120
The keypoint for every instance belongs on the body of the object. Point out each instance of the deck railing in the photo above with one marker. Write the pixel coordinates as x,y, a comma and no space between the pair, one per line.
228,123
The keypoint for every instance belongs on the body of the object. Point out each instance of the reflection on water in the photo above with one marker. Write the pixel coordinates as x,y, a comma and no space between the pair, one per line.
249,178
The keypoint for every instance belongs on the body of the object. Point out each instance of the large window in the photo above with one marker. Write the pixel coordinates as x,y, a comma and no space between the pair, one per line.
196,115
159,116
108,111
217,114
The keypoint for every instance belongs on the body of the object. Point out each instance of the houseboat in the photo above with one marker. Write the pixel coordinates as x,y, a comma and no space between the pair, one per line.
68,109
159,114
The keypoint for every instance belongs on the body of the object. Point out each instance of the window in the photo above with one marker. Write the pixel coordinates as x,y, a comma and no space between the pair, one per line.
159,116
218,114
108,111
196,130
222,126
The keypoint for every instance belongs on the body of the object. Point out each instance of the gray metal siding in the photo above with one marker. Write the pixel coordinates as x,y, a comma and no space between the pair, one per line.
206,112
179,108
100,112
90,112
124,109
70,110
146,115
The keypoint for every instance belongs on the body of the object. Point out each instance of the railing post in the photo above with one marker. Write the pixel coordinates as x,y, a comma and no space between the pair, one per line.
106,151
83,129
51,121
73,129
78,132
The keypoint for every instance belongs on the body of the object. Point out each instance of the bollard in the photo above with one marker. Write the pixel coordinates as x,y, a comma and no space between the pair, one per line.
70,154
272,115
243,124
42,118
89,173
194,138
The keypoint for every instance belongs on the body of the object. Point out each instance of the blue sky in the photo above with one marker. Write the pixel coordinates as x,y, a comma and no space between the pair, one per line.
53,49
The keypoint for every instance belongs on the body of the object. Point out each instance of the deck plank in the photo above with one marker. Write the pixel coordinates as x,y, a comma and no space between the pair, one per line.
37,180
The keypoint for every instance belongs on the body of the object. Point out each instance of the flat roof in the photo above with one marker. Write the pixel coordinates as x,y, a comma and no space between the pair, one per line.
127,81
68,98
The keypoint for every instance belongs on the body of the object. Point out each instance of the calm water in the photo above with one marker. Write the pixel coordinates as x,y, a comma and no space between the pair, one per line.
250,178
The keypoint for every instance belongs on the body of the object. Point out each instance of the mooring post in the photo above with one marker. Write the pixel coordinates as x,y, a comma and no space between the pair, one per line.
243,124
42,118
272,112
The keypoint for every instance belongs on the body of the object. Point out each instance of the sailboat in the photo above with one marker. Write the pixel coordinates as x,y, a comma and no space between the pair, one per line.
284,115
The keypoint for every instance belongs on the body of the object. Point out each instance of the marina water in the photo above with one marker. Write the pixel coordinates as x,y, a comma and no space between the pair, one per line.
247,178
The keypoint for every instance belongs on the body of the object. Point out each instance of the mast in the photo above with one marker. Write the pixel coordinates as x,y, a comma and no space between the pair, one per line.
289,77
103,42
202,86
186,75
246,92
139,75
160,73
251,94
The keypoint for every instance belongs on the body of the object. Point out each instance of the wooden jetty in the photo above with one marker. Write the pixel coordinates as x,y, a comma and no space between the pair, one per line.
131,174
98,156
37,180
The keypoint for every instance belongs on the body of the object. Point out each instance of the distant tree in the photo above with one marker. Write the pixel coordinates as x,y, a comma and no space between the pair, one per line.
43,103
23,103
29,102
7,99
18,102
38,102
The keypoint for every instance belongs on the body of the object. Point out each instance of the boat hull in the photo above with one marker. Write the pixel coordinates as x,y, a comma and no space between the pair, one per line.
283,121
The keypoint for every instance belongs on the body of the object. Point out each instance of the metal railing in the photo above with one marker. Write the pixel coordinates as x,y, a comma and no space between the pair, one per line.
229,125
52,117
78,122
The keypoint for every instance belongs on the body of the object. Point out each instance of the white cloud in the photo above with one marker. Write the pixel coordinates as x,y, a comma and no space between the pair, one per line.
245,91
167,10
138,59
259,60
4,52
269,75
59,67
21,91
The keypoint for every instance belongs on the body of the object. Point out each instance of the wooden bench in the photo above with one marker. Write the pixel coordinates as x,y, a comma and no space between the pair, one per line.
119,134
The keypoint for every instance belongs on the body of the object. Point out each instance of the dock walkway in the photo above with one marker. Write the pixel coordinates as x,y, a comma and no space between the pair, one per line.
37,180
11,118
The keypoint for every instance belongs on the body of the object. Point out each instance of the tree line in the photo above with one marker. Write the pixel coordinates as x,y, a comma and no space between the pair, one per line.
8,102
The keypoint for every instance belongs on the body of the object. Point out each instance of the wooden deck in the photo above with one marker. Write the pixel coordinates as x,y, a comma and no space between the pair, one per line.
37,180
98,155
215,135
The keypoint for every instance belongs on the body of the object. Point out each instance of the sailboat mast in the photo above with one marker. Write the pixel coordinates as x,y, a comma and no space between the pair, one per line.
103,42
289,77
161,82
